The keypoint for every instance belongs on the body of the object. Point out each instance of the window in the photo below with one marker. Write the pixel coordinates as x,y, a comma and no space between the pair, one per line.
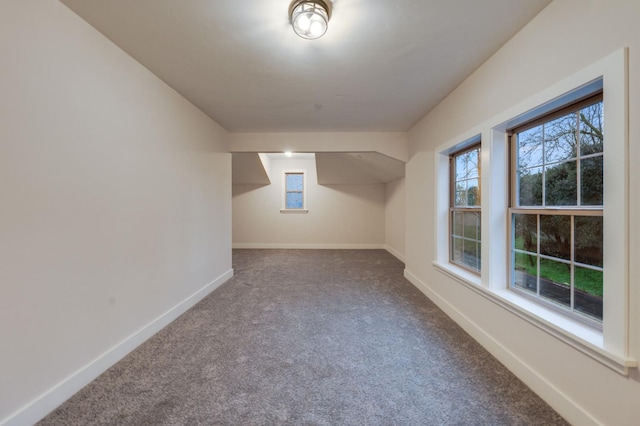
464,211
294,191
555,212
557,209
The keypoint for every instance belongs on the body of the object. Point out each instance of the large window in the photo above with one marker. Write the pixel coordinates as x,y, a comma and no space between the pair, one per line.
465,232
557,209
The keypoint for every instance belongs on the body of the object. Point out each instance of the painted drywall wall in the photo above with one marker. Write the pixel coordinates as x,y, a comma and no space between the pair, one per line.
394,213
340,216
564,38
116,206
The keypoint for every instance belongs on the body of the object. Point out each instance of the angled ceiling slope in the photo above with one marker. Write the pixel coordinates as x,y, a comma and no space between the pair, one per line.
331,168
357,168
381,66
250,169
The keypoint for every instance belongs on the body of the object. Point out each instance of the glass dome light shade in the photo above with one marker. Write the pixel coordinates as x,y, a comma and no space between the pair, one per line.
310,19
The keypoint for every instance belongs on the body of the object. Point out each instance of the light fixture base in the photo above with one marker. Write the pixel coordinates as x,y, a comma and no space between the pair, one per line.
326,4
310,18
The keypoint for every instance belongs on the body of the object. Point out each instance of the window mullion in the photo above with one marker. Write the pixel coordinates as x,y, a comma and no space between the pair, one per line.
572,258
544,167
578,157
538,255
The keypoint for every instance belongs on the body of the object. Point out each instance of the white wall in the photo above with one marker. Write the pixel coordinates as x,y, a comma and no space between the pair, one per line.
566,37
116,205
340,216
394,213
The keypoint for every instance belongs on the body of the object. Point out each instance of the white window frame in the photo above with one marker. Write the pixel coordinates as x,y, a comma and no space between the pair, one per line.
613,345
284,208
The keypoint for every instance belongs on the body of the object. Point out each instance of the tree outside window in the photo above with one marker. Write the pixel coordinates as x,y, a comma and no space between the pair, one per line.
557,205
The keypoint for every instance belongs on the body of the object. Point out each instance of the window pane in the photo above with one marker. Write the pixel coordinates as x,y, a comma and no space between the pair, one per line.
457,251
471,225
555,279
591,179
591,129
294,200
525,272
294,181
461,194
473,192
588,292
561,184
560,139
461,167
457,228
530,187
464,240
473,169
588,240
555,236
530,148
471,258
525,232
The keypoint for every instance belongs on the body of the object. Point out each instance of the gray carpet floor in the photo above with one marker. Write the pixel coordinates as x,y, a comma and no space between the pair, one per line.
309,337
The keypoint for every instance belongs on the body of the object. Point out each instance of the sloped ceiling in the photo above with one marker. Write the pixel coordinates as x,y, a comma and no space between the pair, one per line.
357,168
331,168
382,65
249,168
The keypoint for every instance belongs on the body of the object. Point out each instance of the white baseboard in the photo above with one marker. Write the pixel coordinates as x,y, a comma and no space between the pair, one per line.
306,246
558,400
48,401
395,252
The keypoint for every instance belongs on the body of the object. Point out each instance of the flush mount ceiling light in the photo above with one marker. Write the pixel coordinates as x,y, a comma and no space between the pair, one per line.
310,18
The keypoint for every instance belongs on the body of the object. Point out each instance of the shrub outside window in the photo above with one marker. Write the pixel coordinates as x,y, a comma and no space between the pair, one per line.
464,216
557,209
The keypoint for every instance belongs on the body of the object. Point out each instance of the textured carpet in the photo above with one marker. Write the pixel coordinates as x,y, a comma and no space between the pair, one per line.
309,337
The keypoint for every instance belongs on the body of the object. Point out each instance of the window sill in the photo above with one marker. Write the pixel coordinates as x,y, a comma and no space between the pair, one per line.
572,332
294,211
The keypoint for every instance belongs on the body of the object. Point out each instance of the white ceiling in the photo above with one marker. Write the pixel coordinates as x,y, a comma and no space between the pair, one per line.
382,65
